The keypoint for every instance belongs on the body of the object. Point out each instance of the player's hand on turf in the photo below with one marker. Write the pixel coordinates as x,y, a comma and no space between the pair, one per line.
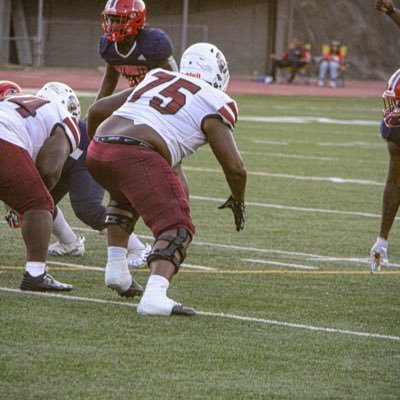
239,211
13,218
378,254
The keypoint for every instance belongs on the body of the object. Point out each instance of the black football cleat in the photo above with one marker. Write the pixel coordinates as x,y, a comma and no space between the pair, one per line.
179,309
134,290
43,283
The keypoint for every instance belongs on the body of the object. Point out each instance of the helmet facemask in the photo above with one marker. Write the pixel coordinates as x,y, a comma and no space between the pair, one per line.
391,101
122,18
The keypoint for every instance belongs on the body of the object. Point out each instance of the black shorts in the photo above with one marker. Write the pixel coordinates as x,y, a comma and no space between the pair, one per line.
392,134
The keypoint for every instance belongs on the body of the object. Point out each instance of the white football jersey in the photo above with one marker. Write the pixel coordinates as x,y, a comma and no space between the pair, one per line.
175,105
27,121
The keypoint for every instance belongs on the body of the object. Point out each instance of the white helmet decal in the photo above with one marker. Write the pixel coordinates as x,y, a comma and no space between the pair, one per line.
207,62
62,94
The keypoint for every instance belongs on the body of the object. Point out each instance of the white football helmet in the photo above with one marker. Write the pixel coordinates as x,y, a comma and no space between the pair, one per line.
62,94
206,61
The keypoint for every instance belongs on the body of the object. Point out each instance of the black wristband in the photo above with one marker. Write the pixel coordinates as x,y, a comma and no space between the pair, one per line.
391,11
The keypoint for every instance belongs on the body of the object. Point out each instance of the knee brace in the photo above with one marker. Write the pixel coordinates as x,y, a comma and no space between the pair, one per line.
168,253
123,215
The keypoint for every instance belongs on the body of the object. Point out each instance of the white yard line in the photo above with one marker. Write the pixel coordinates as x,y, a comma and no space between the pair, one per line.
308,256
367,145
331,179
308,120
102,269
288,155
214,314
281,207
268,262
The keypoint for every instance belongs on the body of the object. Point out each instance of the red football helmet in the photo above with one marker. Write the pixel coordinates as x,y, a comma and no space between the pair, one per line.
8,87
391,101
122,18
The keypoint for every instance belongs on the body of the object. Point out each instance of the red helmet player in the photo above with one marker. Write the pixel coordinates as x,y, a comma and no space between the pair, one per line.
391,101
122,18
8,87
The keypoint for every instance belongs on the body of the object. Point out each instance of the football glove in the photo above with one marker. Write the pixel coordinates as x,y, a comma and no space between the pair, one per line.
13,218
239,211
378,255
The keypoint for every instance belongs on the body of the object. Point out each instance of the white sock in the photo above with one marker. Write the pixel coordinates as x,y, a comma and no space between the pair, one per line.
155,300
35,268
135,243
117,272
61,230
156,285
116,254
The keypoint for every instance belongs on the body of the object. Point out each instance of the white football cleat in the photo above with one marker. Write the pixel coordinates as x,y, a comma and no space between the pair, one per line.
74,249
137,258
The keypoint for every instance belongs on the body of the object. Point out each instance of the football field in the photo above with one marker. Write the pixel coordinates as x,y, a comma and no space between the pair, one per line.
287,308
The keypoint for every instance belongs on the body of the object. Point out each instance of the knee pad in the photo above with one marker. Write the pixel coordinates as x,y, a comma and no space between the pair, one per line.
168,253
120,214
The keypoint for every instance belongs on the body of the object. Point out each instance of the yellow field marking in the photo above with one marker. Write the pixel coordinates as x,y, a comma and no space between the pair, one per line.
233,271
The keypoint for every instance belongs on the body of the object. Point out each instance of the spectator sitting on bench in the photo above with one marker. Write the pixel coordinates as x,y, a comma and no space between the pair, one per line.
331,60
296,57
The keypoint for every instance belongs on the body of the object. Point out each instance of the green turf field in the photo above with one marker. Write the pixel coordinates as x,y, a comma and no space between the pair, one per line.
287,307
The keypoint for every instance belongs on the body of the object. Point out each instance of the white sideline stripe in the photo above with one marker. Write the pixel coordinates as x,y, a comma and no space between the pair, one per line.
278,206
308,120
102,269
332,179
297,266
213,314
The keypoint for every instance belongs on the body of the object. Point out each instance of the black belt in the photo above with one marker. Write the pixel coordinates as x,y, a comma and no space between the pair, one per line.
115,139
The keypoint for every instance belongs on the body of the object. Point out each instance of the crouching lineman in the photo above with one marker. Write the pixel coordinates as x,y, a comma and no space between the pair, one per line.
36,136
390,131
167,116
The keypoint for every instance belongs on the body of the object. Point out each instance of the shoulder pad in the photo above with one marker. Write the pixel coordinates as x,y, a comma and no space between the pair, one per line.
156,43
229,113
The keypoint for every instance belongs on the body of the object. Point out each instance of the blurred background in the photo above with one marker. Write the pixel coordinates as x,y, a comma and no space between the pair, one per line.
61,33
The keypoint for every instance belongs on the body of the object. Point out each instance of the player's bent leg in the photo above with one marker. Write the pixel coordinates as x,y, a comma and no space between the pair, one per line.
168,253
120,221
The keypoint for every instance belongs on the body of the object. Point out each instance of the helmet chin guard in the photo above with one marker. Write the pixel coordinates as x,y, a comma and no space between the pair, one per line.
207,62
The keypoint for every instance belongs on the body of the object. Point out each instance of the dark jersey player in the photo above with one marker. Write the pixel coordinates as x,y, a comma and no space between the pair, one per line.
128,47
390,131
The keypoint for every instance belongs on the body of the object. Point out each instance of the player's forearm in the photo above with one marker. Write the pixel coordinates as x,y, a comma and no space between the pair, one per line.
391,202
237,183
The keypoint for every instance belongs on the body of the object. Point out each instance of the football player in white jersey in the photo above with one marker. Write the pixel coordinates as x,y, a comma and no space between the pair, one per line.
167,116
36,137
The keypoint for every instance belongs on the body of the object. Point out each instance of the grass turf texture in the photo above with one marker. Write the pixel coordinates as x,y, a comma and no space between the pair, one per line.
59,348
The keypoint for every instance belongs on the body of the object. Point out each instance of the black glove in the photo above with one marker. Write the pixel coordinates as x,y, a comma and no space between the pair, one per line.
239,210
